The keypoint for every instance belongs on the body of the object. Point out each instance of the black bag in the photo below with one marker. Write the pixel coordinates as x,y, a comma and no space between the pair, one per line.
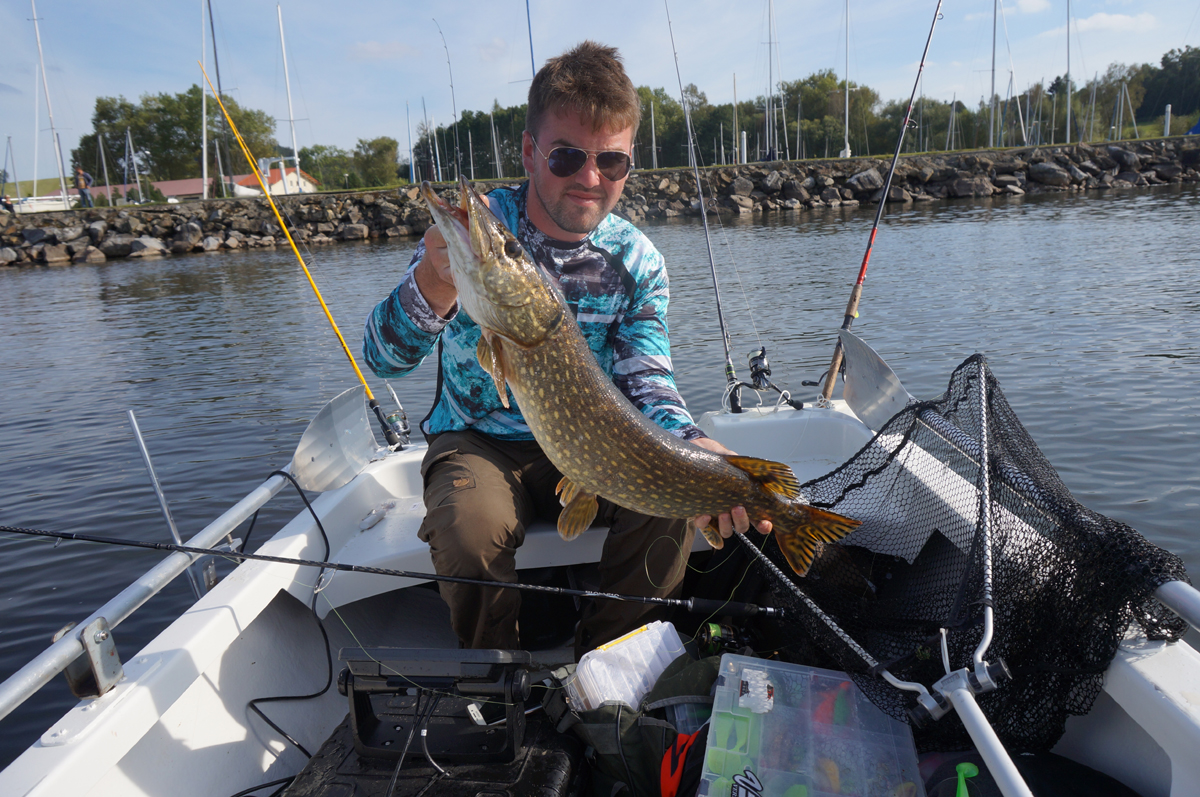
639,752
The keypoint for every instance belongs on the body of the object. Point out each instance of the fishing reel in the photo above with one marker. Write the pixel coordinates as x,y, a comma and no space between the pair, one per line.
714,639
760,378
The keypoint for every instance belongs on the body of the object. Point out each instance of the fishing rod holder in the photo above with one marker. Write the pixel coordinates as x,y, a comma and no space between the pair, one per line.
99,669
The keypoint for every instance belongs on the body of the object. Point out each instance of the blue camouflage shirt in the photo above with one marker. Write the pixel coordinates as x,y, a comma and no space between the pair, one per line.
615,282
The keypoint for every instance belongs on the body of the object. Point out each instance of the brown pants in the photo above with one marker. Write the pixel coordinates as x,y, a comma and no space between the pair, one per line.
482,493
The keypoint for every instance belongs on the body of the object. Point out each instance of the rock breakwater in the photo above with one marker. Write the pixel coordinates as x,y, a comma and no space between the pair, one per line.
96,235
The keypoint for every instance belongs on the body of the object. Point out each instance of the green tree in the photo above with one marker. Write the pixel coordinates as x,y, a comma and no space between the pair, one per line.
377,160
166,133
328,164
1176,82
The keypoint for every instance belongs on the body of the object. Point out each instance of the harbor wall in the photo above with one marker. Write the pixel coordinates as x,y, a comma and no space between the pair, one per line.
95,235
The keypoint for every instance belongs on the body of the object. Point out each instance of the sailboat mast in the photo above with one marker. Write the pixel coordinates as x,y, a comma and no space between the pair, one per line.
287,82
846,126
104,163
1068,138
36,131
770,115
992,98
496,146
203,111
62,178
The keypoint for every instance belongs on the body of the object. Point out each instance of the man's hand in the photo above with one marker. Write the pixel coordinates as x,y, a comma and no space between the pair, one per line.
735,518
434,278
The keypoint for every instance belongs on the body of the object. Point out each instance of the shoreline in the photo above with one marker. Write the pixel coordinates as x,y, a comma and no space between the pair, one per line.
96,235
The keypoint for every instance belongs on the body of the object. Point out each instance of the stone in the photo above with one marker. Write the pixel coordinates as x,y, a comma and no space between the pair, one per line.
1015,190
146,246
870,180
895,194
971,186
742,186
68,234
1167,171
1077,174
772,183
831,195
89,254
808,183
97,230
1130,177
1005,180
1124,157
1048,173
117,245
742,201
354,232
793,190
400,230
210,243
8,256
36,235
1009,166
55,253
187,238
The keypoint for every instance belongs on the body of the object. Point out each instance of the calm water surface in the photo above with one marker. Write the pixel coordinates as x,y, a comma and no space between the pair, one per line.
1087,307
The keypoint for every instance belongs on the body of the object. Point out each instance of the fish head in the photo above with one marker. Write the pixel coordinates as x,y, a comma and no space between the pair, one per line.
499,286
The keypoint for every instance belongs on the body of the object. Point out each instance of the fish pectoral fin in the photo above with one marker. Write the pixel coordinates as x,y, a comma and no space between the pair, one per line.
712,533
488,354
800,543
566,491
578,513
775,477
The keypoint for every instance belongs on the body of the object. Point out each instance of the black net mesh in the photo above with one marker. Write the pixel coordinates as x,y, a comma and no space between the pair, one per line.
1067,582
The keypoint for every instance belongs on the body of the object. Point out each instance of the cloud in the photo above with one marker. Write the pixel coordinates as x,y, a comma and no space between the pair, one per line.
1121,23
1021,7
493,50
382,51
7,89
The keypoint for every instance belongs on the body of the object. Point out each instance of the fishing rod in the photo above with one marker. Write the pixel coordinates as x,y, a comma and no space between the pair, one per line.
693,605
731,379
856,293
394,439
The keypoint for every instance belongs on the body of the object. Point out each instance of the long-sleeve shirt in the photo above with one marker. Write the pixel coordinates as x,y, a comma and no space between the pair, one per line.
615,282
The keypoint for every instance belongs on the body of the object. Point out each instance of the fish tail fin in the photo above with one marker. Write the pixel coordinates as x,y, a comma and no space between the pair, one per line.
800,543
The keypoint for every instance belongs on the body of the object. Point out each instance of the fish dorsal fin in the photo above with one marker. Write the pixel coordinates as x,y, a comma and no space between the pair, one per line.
488,353
578,509
775,477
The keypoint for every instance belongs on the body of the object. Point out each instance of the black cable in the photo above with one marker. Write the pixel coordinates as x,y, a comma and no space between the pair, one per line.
407,742
437,696
253,704
249,531
285,781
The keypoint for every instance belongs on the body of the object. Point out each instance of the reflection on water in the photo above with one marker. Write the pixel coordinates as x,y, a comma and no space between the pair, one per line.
1085,306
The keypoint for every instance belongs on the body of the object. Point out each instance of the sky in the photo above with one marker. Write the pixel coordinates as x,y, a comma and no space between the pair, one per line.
370,68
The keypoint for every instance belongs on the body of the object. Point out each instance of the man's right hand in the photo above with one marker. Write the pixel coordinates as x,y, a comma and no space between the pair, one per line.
433,275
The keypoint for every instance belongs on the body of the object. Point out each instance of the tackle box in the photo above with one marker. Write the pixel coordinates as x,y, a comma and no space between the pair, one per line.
787,730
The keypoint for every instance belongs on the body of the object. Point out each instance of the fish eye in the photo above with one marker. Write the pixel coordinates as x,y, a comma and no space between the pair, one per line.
512,248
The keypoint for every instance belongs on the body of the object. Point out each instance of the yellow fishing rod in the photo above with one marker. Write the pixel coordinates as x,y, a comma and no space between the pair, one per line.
393,439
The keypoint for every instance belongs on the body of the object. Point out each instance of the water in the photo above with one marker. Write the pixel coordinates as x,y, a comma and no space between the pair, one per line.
1085,306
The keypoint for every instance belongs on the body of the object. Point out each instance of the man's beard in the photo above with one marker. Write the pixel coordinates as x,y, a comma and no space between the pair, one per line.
573,218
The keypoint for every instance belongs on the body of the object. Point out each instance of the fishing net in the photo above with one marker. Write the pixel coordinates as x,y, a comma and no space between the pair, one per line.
1067,583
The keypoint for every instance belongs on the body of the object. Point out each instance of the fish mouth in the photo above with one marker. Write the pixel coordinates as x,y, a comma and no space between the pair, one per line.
468,219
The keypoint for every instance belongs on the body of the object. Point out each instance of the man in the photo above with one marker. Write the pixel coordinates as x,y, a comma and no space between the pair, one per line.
83,181
485,477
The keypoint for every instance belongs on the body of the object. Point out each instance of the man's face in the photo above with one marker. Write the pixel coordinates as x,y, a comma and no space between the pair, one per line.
568,208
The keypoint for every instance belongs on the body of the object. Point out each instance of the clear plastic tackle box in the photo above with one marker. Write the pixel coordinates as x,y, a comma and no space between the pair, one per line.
786,730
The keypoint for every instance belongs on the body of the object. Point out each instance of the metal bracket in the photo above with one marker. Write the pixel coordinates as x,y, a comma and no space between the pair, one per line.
99,669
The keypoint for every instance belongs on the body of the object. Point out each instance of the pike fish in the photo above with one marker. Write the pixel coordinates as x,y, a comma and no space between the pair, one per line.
590,431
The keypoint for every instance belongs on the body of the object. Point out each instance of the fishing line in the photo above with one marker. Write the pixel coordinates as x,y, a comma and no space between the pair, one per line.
856,291
393,439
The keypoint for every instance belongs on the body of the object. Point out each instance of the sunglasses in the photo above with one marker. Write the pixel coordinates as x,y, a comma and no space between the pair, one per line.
566,161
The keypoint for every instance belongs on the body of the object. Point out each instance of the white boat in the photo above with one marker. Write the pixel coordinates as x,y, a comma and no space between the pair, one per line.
176,722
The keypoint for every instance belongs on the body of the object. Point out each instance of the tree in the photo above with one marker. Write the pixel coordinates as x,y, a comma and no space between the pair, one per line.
328,164
377,160
1177,82
166,131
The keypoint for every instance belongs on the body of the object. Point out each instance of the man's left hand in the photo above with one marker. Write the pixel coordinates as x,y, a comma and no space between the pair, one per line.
736,518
